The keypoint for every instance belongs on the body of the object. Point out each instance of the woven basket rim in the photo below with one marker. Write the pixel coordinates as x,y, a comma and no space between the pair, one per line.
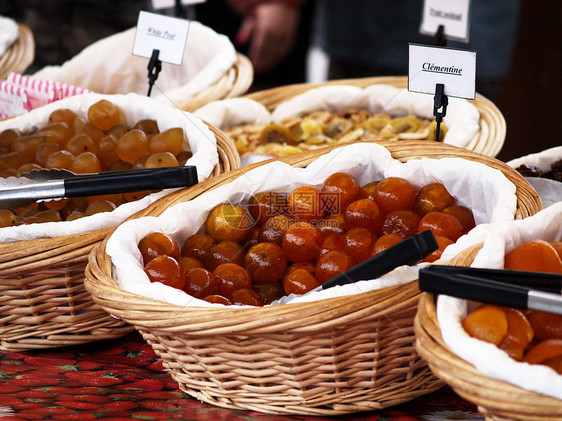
19,56
489,140
529,204
234,82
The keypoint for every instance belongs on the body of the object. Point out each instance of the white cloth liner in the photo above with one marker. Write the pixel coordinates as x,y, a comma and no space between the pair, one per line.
487,358
8,33
462,117
201,142
540,160
107,66
365,161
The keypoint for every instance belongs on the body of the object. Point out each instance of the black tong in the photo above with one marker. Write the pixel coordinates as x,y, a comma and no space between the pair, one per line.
407,252
510,288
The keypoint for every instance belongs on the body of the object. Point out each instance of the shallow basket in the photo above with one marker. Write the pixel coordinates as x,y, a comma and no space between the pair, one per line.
496,400
488,141
329,357
235,82
19,56
43,302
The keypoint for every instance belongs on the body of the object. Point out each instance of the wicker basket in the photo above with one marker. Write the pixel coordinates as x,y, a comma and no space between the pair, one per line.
234,82
496,399
488,141
329,357
20,55
43,302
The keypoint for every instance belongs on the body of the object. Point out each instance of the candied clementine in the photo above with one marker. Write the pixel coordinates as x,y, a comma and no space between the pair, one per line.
534,255
217,299
228,222
442,244
167,270
333,241
545,325
224,252
247,296
332,223
188,263
394,193
401,222
359,243
487,323
463,214
433,197
309,265
156,244
266,262
386,241
270,291
338,191
304,203
368,190
332,263
558,247
364,213
199,283
519,333
266,205
299,281
274,229
232,277
301,242
442,225
198,246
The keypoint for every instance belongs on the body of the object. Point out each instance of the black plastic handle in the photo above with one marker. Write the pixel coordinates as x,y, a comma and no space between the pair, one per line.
407,252
130,181
473,288
548,282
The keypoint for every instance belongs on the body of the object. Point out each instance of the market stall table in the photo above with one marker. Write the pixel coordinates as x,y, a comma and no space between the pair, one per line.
122,379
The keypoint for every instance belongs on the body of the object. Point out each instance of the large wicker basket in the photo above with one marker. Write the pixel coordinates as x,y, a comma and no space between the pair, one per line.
43,302
20,55
488,141
234,82
496,399
329,357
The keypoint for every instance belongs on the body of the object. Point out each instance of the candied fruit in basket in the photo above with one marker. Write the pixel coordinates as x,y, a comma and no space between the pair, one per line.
157,244
331,264
364,213
224,252
401,222
305,203
228,222
266,262
299,281
487,323
274,229
200,282
534,255
386,241
442,244
232,277
545,325
338,191
463,214
519,333
301,242
547,352
167,270
442,225
266,205
104,114
394,193
433,197
359,243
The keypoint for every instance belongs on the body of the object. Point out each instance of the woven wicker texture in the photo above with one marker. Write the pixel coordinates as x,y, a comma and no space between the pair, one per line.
488,141
234,82
329,357
496,400
20,55
43,301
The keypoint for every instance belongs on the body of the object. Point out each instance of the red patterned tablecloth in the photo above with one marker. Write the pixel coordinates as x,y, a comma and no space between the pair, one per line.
124,380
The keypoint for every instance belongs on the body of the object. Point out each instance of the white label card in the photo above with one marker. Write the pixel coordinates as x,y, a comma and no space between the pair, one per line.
163,33
454,68
168,4
454,15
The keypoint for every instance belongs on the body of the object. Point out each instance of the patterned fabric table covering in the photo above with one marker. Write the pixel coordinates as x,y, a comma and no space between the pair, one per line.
124,380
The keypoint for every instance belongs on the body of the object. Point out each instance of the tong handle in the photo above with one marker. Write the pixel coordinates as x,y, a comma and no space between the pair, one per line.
407,252
130,181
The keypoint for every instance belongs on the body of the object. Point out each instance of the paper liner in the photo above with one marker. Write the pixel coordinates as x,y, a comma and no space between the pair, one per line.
8,33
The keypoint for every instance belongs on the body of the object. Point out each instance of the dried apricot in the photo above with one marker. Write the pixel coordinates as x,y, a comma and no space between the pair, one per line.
519,333
545,325
487,323
545,352
534,255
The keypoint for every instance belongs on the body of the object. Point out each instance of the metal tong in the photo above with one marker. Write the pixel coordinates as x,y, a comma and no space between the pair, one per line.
510,288
40,185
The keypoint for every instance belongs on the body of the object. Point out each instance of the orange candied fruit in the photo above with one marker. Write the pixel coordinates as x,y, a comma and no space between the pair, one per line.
487,323
534,255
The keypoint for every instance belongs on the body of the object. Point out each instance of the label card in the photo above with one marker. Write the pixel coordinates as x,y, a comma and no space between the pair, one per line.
159,32
168,4
454,68
454,15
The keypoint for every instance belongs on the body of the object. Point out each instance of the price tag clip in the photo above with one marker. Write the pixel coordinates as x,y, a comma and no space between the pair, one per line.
440,40
440,102
154,68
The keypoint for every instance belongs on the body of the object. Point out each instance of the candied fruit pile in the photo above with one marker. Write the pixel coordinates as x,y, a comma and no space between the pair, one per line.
278,244
555,172
93,143
530,336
